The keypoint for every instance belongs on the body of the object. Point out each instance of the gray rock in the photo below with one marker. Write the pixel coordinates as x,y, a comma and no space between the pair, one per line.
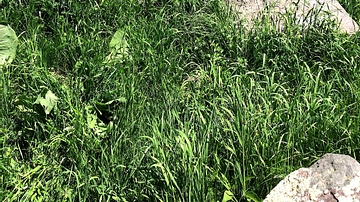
275,9
334,177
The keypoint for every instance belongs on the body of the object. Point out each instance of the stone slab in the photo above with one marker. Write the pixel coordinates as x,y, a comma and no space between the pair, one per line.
333,178
250,9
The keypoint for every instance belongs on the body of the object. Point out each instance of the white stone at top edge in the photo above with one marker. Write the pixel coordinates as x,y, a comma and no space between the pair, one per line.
249,9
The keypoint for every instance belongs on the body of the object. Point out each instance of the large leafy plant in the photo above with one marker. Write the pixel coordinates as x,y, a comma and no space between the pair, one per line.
8,44
119,48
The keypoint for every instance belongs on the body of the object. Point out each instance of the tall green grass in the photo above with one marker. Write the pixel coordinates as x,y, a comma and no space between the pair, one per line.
198,110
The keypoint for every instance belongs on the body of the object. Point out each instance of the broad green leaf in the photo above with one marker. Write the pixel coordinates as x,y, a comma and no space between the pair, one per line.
228,196
119,47
49,102
8,44
251,196
91,120
118,41
121,100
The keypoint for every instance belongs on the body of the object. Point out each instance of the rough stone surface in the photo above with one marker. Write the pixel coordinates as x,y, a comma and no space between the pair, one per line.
334,177
250,9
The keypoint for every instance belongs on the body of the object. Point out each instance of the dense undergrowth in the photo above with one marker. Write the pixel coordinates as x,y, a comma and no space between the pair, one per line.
195,109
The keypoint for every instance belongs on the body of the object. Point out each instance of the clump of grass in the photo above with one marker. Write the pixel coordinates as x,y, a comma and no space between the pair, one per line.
199,110
352,8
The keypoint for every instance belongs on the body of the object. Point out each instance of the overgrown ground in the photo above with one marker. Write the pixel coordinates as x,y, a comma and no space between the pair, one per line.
193,109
